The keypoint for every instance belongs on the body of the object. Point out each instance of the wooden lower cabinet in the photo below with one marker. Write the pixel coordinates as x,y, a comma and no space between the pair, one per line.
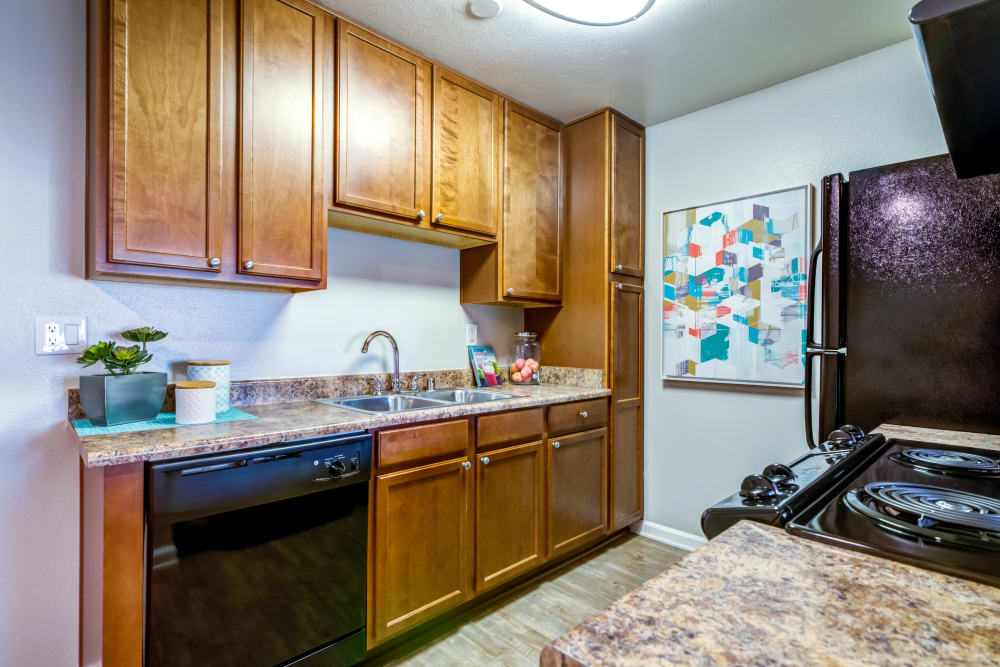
423,549
510,513
577,489
626,464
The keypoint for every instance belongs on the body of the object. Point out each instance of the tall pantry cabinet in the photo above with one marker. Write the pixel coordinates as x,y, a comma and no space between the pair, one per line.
600,323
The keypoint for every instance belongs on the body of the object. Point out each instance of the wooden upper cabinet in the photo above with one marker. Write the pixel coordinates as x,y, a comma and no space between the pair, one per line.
282,216
467,137
510,513
532,221
383,126
422,545
164,162
627,187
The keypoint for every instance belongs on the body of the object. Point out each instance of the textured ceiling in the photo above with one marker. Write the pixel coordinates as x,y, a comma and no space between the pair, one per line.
681,56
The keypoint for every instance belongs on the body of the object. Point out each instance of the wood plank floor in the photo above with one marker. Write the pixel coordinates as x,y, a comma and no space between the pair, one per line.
513,629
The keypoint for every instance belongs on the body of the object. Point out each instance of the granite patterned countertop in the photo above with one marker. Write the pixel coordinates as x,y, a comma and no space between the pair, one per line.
299,419
933,435
756,595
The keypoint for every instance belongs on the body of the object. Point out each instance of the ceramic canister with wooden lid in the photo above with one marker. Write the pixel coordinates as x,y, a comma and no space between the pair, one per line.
213,371
195,402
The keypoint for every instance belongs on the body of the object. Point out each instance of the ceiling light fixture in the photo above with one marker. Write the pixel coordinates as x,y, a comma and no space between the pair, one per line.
594,12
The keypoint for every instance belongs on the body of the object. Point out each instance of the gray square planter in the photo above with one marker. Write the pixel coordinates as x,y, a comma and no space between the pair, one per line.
108,400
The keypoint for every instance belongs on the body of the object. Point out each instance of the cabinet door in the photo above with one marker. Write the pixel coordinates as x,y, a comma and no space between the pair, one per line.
282,217
510,514
578,490
532,226
468,129
165,162
626,418
423,547
627,209
383,126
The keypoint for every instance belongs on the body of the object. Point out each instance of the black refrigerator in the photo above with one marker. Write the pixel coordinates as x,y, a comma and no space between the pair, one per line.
910,287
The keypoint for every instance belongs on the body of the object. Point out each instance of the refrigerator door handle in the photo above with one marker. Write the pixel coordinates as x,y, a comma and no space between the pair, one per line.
813,349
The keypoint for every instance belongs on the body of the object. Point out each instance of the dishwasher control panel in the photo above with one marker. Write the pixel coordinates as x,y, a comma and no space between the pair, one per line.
337,466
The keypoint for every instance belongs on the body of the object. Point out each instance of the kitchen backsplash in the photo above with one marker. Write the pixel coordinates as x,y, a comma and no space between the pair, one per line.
282,390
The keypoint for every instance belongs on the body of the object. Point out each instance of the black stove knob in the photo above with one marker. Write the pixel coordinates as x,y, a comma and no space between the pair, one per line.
780,474
840,439
758,487
855,431
337,468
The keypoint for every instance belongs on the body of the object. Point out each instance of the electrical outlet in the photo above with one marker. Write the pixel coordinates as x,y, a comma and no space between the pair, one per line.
57,334
471,334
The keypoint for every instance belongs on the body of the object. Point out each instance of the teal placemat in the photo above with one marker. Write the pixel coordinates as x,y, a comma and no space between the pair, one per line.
163,420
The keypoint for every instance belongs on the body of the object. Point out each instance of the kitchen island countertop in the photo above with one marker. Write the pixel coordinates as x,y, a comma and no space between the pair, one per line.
277,422
757,595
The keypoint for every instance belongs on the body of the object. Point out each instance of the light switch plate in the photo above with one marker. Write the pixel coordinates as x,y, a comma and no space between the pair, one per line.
59,334
471,334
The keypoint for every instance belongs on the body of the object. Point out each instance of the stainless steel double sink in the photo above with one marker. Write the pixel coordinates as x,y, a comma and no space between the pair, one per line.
423,400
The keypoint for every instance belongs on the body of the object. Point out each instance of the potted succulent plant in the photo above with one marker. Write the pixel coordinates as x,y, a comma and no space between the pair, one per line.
125,394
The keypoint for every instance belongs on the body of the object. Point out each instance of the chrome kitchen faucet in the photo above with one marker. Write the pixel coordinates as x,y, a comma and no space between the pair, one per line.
397,384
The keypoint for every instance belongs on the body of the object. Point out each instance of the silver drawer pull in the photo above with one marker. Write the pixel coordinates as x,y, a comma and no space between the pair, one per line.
582,413
618,267
466,464
485,460
556,444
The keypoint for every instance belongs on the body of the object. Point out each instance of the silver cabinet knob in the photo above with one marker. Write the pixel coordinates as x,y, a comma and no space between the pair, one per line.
556,444
466,464
618,285
510,290
618,267
215,262
582,413
485,460
439,217
421,215
248,266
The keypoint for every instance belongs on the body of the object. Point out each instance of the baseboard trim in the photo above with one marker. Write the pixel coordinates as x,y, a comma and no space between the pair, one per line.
668,535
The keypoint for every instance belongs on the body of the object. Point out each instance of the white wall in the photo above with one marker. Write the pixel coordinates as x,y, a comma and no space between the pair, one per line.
701,440
409,289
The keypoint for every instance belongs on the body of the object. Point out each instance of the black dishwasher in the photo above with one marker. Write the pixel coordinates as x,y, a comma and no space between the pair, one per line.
258,557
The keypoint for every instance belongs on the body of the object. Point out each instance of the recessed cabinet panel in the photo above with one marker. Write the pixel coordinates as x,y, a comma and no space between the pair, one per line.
468,127
283,222
532,233
626,465
423,547
165,165
578,490
510,513
383,142
626,340
627,209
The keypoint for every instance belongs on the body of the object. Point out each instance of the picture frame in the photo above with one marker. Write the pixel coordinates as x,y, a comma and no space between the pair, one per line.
735,277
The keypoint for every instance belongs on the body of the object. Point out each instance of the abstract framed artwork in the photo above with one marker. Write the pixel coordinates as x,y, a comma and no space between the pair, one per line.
734,290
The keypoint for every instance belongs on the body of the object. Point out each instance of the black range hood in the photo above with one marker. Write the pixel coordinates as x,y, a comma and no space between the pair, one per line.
960,44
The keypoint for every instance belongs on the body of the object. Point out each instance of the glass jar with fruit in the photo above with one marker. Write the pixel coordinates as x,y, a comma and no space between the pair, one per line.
525,356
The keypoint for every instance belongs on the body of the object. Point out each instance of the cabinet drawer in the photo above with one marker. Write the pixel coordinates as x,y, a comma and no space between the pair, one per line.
578,416
413,443
510,427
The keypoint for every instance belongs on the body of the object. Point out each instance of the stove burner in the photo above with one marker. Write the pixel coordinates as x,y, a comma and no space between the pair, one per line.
931,512
947,462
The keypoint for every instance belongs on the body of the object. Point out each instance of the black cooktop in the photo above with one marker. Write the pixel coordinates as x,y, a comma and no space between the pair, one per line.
934,506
